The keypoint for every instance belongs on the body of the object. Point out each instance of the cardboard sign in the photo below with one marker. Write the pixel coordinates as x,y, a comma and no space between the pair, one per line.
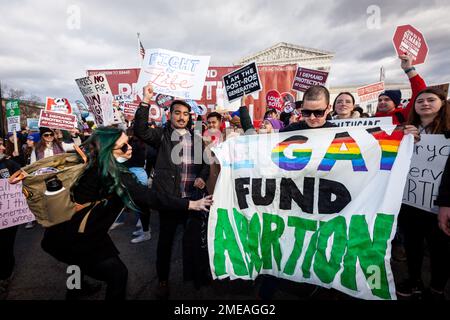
13,115
57,120
13,205
315,206
444,87
410,40
58,105
425,173
98,95
173,73
362,122
306,78
242,81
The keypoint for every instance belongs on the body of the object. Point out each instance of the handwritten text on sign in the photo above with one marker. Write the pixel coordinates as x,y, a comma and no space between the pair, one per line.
13,206
425,173
173,73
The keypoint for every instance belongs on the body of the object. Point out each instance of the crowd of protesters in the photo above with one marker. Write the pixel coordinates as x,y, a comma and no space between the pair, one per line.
134,171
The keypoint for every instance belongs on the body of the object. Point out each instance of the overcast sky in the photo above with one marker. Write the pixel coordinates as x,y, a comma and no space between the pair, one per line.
42,50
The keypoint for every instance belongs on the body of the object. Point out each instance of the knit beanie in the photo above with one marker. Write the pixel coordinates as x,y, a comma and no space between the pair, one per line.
394,95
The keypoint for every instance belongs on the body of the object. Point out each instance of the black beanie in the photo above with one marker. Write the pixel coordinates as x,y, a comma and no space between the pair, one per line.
394,95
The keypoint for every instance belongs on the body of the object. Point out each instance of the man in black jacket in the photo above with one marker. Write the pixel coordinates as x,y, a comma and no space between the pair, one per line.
315,109
179,169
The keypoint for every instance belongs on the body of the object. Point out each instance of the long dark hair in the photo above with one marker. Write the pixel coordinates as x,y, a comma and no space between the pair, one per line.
441,122
340,94
99,147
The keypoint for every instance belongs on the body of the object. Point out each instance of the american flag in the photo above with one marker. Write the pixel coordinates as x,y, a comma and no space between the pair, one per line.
141,48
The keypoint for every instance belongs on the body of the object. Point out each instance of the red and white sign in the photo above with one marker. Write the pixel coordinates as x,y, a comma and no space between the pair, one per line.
57,120
58,105
306,78
370,92
129,109
274,100
410,40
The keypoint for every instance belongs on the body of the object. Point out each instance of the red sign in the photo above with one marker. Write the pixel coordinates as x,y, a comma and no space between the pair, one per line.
274,100
306,78
57,120
410,40
164,101
58,105
370,92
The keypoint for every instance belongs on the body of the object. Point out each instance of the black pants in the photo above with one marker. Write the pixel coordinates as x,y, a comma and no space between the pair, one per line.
168,222
114,272
7,260
419,225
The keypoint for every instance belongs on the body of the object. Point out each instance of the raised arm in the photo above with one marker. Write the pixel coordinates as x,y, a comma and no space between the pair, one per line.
141,129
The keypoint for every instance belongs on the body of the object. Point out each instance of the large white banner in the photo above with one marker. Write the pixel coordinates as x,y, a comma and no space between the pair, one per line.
425,174
173,73
316,206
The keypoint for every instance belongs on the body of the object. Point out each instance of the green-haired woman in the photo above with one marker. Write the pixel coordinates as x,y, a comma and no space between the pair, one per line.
107,180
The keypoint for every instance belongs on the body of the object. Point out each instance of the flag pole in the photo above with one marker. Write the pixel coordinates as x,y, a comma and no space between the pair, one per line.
139,49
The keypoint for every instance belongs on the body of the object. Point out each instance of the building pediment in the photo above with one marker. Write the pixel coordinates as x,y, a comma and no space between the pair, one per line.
282,53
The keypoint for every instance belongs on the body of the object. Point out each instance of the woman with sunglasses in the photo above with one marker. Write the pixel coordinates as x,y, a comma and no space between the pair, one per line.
48,145
431,115
84,240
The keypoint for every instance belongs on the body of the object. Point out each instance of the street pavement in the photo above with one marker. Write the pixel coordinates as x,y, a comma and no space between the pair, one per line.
38,276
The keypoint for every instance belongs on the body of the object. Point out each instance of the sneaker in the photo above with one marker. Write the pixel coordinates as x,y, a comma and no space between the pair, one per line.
138,232
143,237
162,291
115,225
30,225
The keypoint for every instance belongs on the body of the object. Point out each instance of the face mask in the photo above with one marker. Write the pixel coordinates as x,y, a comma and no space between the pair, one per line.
121,159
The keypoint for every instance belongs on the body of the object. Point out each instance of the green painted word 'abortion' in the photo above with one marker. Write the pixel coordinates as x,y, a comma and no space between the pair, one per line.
261,245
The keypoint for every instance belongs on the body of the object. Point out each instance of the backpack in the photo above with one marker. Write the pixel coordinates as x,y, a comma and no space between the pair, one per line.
50,210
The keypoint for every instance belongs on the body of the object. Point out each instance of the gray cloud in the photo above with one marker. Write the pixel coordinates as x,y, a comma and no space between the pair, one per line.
41,55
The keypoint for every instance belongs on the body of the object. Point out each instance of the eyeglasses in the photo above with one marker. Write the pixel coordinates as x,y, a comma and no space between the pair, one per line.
317,113
123,148
48,135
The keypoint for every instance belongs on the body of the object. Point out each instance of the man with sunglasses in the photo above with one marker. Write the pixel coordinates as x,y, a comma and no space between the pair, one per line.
178,171
315,109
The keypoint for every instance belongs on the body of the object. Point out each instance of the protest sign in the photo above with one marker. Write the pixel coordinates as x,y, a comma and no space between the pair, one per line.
443,87
13,205
425,173
173,73
410,40
164,101
360,122
315,206
33,124
58,105
13,115
242,81
123,81
57,120
98,95
306,78
368,95
129,109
